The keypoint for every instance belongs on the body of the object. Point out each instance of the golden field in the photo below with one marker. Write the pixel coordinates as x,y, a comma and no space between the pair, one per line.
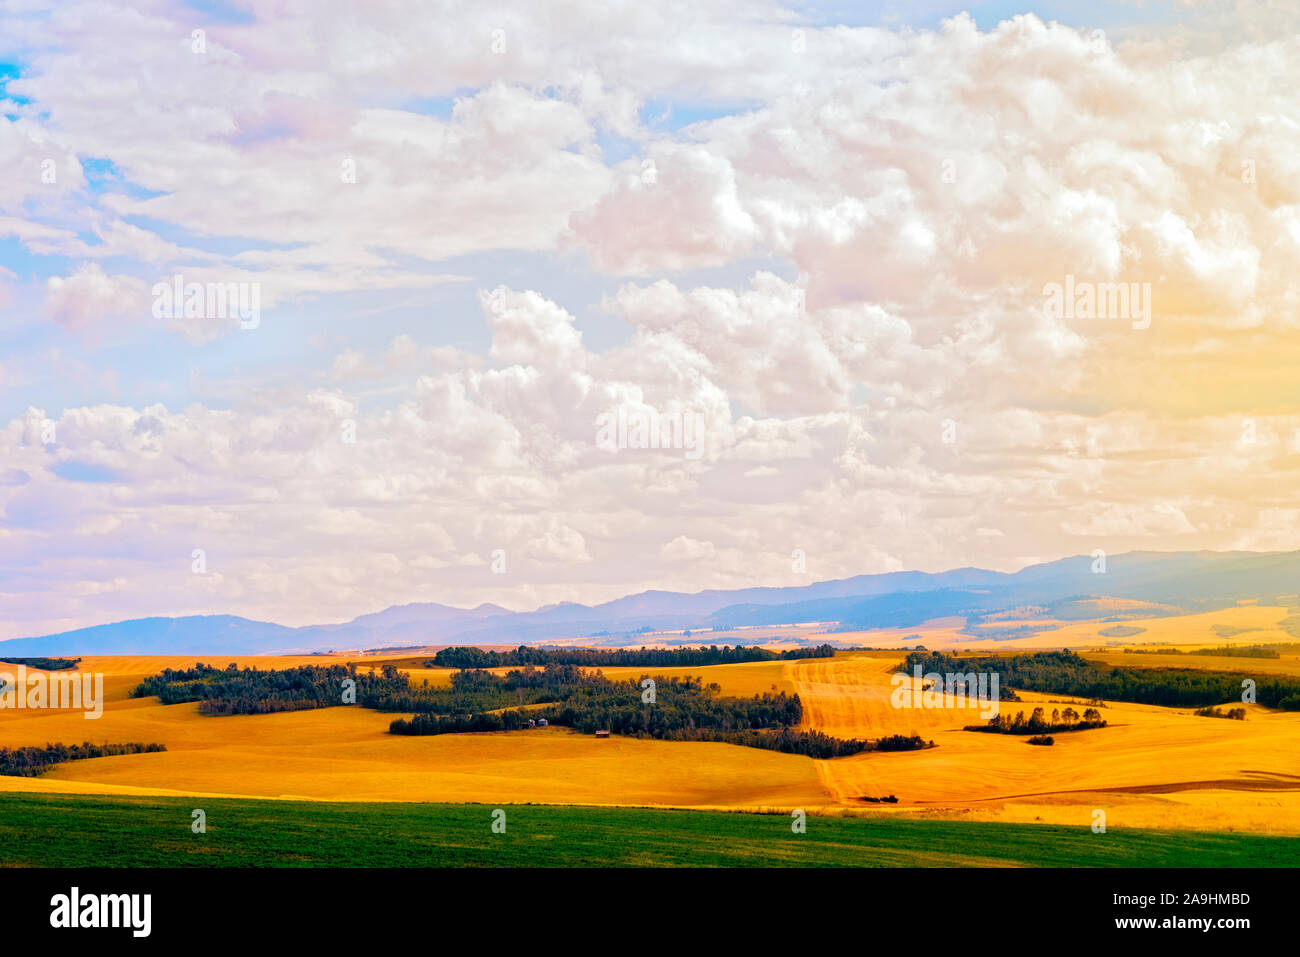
748,678
1286,664
347,754
1151,767
1260,621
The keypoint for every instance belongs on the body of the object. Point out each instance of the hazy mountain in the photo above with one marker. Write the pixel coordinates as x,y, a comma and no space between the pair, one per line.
657,604
1178,581
424,612
192,635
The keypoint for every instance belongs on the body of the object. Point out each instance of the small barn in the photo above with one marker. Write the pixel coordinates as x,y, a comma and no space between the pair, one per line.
541,722
602,734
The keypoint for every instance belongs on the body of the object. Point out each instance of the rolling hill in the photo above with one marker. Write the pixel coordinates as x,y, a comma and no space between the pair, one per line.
1134,585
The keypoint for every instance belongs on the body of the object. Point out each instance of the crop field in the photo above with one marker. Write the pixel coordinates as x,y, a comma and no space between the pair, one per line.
347,754
1252,624
79,831
1284,664
1151,767
747,678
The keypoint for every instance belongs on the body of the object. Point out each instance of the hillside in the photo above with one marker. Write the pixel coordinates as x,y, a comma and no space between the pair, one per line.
1134,585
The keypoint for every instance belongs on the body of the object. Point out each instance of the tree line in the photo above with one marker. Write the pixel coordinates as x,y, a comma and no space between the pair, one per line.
29,762
1064,672
1223,651
812,744
470,657
1038,724
1232,714
44,664
587,701
230,690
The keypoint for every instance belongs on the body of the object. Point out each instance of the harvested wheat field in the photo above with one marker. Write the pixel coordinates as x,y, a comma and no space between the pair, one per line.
1285,664
745,678
1248,624
346,754
1151,766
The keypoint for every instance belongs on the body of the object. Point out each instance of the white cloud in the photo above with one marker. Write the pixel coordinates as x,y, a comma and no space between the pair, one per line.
832,275
676,209
686,549
90,295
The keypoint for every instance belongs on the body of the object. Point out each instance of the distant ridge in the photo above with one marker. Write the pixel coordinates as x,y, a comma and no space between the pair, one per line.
1183,581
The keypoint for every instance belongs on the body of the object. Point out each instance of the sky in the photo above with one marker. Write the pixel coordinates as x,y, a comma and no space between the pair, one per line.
466,234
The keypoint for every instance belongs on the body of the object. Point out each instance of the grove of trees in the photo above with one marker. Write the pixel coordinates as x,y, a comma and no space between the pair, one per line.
29,762
1064,672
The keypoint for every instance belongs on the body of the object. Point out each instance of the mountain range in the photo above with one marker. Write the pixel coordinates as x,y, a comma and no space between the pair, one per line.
1143,584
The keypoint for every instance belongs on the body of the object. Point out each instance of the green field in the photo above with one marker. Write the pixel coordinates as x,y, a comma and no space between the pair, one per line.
73,830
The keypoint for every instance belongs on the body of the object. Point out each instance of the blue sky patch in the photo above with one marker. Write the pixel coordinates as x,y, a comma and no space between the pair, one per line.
665,115
74,471
220,11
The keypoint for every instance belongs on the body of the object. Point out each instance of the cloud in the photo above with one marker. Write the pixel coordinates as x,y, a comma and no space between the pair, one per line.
677,209
480,242
531,330
89,295
686,549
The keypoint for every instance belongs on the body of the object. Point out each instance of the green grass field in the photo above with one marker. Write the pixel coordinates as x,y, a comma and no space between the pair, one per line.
74,830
